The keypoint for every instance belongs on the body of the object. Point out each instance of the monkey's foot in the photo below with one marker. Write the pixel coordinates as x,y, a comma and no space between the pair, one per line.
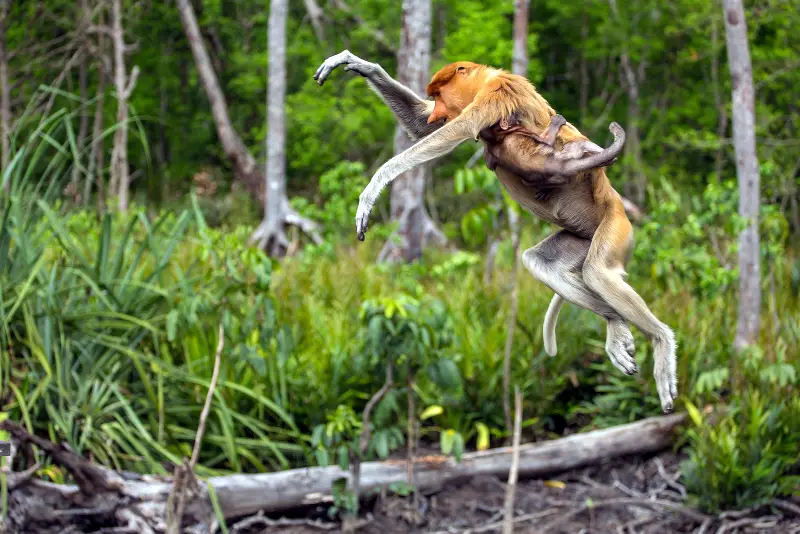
620,347
665,370
557,121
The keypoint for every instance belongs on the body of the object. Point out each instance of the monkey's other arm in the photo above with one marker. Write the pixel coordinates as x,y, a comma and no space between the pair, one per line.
442,141
411,111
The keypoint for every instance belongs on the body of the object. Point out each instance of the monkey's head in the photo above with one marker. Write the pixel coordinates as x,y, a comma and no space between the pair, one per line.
453,87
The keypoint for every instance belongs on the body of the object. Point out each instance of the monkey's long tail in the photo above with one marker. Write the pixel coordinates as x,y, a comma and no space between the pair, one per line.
549,326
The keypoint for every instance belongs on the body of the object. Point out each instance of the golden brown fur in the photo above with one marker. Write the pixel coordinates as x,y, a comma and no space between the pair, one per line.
583,264
587,206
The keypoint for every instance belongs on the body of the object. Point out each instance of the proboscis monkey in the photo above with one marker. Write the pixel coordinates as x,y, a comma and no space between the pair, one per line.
585,262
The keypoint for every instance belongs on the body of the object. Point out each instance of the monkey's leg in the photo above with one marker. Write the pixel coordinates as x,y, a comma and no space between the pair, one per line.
557,262
604,272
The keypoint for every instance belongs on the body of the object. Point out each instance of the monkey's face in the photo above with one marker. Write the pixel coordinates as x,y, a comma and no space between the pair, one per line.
453,88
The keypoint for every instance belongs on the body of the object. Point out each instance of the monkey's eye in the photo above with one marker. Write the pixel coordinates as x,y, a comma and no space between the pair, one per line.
461,69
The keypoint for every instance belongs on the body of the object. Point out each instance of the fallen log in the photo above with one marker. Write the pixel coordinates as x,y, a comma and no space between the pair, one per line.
145,500
273,492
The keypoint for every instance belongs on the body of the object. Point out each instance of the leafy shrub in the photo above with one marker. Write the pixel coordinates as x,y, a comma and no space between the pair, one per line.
746,458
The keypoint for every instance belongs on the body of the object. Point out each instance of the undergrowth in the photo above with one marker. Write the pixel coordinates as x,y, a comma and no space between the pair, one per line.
108,333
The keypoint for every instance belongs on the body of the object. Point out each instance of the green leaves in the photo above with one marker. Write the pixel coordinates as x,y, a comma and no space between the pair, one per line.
431,411
745,460
452,442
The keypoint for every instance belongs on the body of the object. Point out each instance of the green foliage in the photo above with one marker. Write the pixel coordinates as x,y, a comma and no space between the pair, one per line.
339,189
745,459
339,436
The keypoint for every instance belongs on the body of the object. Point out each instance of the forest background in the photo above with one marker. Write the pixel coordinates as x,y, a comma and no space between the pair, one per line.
134,224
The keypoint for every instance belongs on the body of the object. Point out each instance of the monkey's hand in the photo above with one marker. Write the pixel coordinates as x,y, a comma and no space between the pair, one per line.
365,203
350,62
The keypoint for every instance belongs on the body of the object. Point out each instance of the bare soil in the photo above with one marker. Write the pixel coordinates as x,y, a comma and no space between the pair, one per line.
638,495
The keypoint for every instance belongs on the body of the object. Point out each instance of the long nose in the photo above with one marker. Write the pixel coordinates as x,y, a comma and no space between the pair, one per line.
439,113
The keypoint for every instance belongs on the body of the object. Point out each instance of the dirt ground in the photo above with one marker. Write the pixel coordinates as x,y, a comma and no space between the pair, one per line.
626,496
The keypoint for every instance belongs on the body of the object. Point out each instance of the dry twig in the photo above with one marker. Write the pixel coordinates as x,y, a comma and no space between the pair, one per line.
184,474
508,522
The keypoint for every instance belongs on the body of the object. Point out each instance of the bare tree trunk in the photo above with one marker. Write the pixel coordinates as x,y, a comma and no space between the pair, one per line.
5,98
519,64
744,142
416,229
636,186
123,84
273,237
519,59
584,70
722,123
83,127
96,160
244,164
269,234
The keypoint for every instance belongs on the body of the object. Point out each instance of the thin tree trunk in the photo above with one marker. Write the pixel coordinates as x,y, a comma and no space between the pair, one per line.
744,142
415,227
83,127
275,184
83,75
636,185
513,472
269,235
120,177
5,98
722,114
96,160
519,59
244,164
584,71
520,66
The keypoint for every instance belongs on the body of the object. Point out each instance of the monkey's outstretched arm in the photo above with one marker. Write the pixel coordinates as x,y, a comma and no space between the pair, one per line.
442,141
411,111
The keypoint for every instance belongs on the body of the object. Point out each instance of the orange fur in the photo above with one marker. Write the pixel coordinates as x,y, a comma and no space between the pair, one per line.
587,206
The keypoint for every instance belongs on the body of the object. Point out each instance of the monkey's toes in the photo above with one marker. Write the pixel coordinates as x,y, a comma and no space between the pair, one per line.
621,355
558,120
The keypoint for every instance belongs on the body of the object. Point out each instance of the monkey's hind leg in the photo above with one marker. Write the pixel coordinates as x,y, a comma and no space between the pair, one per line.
604,272
557,262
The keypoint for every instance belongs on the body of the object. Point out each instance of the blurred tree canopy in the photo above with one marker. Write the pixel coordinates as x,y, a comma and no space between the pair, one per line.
584,58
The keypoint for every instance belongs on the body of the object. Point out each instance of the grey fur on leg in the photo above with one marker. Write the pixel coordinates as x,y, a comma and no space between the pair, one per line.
609,283
558,263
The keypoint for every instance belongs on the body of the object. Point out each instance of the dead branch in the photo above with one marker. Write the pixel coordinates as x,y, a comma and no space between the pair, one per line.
185,479
508,523
16,480
201,427
645,503
260,520
89,477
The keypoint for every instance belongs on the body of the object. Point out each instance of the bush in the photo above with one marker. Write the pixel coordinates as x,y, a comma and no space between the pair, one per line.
745,460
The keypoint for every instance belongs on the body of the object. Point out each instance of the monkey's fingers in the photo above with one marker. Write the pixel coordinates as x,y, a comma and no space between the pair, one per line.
362,222
328,65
